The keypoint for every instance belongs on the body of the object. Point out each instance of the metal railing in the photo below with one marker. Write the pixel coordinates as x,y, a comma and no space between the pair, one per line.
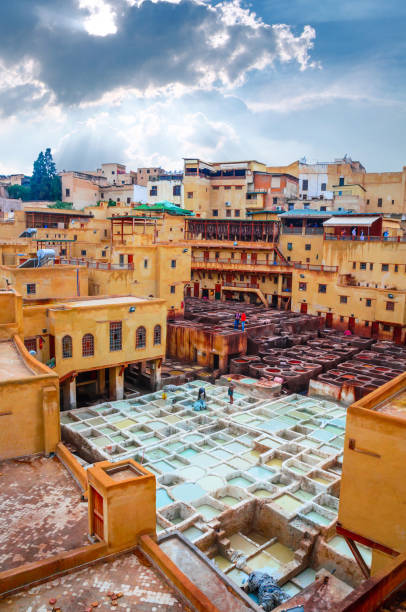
366,238
97,265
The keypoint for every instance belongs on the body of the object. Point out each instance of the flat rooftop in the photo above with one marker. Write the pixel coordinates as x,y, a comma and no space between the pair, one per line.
12,365
41,512
107,301
142,587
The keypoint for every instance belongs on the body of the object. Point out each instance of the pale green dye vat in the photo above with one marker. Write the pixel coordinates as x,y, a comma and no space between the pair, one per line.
151,440
125,423
193,533
262,493
288,503
208,512
238,542
210,483
229,500
318,518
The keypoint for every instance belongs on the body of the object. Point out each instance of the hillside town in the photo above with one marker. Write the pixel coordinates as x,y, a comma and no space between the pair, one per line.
202,387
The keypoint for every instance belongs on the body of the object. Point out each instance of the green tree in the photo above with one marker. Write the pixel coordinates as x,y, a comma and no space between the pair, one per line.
45,183
16,192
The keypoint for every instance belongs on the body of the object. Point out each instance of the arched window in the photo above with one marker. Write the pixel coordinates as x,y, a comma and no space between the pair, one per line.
66,347
157,334
140,337
88,345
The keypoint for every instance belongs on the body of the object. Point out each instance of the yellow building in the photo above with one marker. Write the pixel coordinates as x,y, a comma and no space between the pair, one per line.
231,189
373,490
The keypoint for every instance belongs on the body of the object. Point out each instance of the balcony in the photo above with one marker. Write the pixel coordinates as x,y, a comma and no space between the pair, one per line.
259,266
365,238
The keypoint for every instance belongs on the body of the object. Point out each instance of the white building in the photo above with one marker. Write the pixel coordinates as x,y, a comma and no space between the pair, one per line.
166,187
313,181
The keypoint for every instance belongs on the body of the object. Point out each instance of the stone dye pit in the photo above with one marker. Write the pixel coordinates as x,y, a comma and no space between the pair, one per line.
253,485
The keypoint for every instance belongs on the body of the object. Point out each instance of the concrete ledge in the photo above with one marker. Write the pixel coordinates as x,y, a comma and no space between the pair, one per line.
198,599
24,575
73,466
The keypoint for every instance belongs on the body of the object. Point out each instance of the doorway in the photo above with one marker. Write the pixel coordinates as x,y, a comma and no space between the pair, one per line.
329,319
196,289
375,329
216,362
351,323
303,308
217,291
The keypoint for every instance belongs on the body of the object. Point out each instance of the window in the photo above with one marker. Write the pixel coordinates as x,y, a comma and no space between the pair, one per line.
190,195
379,202
396,268
274,200
236,213
323,187
240,187
302,286
173,288
288,258
227,187
31,289
83,252
263,279
290,246
322,288
228,213
66,347
362,265
390,305
308,247
307,259
157,335
215,213
232,254
176,190
173,263
367,203
103,253
393,201
118,199
354,265
153,191
141,337
116,335
145,263
102,195
63,251
88,345
368,303
305,185
67,192
31,344
291,206
128,200
343,299
385,267
386,327
216,187
366,323
306,205
371,266
323,208
341,181
241,277
217,254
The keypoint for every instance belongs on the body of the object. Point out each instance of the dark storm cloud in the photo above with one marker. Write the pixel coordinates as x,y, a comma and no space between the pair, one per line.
156,44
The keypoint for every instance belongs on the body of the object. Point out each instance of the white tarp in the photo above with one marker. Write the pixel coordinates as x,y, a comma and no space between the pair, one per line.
349,221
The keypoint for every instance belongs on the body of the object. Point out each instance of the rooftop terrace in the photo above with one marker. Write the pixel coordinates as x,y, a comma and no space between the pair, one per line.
41,511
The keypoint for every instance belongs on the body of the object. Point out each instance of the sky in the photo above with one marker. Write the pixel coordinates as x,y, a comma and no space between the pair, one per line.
148,82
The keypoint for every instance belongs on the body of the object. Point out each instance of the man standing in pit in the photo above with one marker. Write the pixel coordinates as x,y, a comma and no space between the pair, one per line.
243,319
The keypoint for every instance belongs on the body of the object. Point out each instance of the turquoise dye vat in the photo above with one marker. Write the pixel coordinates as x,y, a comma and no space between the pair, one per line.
162,498
221,454
203,460
235,447
248,381
157,453
164,466
174,446
240,481
188,491
151,440
193,438
259,472
188,452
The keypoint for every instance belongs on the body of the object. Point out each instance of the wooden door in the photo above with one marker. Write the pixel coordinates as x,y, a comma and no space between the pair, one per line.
397,334
196,289
243,257
329,319
131,259
98,514
206,255
51,346
351,323
303,308
253,258
375,329
229,278
217,291
188,291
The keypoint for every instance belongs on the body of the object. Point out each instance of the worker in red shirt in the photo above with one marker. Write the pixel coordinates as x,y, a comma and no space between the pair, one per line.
243,319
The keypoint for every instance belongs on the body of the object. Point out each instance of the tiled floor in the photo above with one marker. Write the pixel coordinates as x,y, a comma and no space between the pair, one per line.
41,511
142,587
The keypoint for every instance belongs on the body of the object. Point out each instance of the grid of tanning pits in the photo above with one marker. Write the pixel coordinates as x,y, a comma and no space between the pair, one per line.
286,452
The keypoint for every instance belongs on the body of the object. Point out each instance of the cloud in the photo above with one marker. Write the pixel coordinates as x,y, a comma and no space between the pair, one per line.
84,49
